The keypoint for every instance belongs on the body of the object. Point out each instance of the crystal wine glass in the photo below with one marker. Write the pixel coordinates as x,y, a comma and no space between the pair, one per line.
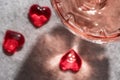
94,20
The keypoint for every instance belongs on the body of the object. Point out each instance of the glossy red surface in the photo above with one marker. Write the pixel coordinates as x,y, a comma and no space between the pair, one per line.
70,61
12,42
39,15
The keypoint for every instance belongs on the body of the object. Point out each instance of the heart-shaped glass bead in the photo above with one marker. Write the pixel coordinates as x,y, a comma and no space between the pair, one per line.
70,61
39,15
12,42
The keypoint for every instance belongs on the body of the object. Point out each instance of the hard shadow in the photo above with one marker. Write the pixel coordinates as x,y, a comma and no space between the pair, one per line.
42,62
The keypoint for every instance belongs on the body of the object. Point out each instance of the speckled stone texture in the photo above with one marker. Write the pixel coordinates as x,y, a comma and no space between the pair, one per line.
39,58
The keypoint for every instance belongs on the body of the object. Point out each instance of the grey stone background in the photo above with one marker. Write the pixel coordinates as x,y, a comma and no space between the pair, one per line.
13,16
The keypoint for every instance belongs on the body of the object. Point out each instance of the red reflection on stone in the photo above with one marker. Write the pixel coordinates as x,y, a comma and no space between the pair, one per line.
39,15
12,42
70,61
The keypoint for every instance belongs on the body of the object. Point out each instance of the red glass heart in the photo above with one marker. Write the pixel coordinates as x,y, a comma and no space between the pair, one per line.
39,15
12,42
70,61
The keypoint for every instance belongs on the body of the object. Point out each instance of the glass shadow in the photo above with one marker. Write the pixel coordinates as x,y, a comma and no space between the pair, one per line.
43,60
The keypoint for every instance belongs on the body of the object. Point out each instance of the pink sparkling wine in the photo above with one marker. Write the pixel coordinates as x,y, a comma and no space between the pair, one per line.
12,42
93,20
39,15
70,61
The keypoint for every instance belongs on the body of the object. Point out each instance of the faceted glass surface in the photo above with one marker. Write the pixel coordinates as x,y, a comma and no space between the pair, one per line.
39,15
13,41
70,61
93,20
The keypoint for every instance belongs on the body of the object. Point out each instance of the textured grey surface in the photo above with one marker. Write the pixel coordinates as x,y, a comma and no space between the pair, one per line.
32,62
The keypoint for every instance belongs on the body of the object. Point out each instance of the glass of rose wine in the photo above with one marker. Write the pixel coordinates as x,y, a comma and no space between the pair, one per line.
93,20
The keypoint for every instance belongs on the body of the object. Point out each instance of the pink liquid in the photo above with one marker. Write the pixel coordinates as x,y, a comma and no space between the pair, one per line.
93,20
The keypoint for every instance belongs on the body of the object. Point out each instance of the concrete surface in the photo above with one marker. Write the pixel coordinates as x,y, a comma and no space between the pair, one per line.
37,59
